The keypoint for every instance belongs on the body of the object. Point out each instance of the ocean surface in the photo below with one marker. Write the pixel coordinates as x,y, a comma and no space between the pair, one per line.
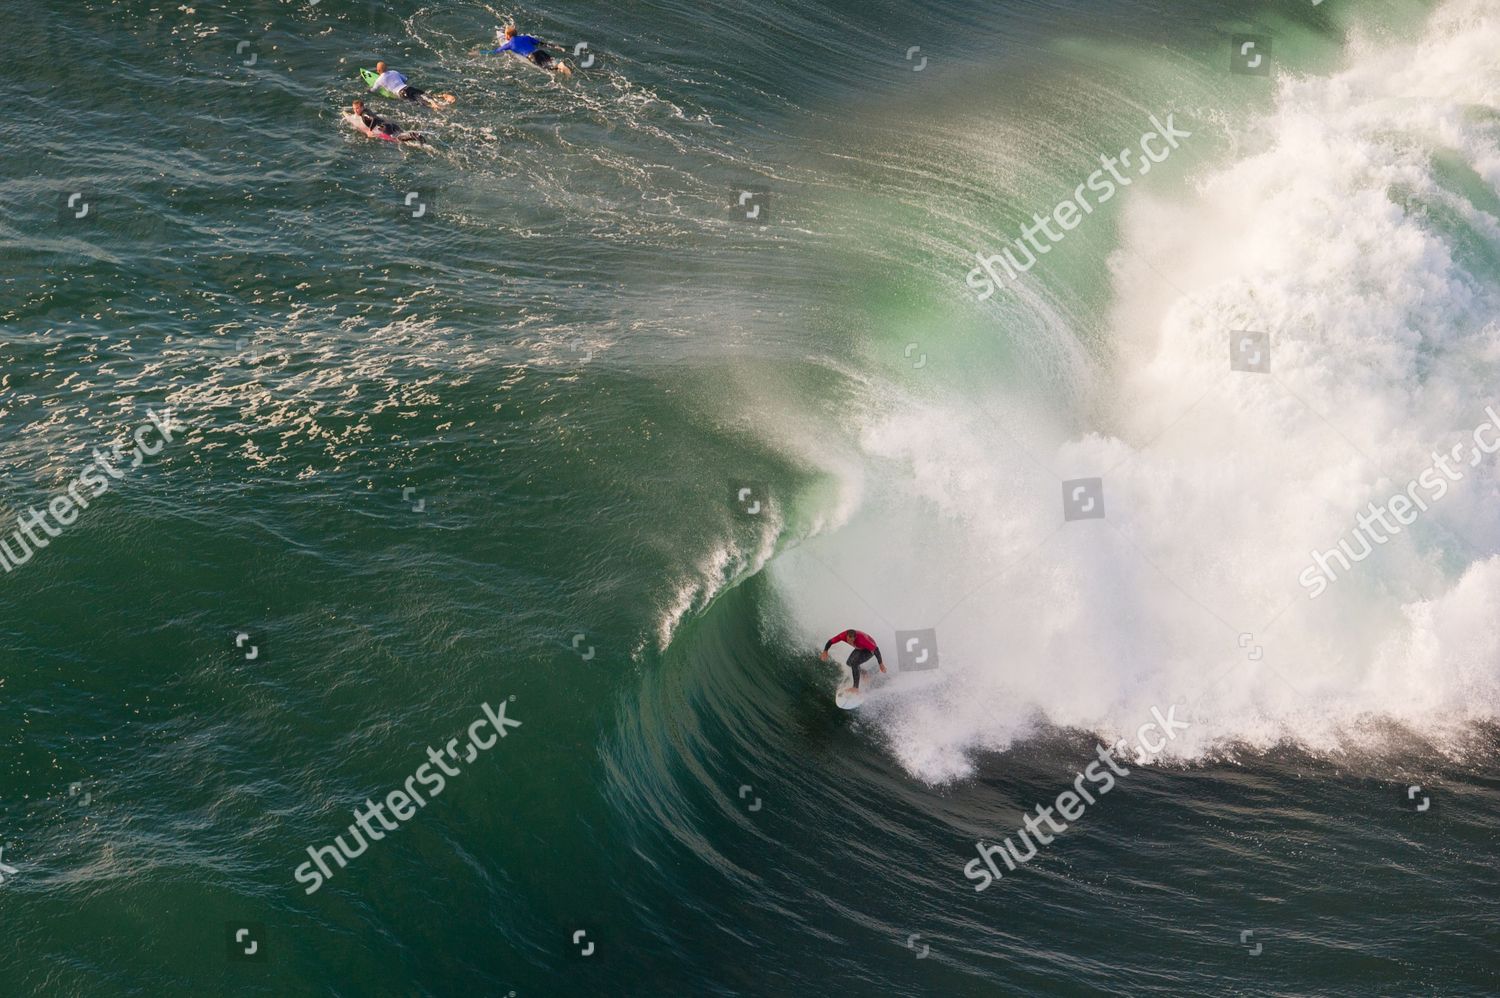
600,413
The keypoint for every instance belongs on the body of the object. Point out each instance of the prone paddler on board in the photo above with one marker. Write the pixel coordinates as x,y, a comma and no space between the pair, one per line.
395,84
528,47
373,126
865,649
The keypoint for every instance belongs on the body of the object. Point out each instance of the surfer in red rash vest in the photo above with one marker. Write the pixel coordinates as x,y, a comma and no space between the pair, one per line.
865,648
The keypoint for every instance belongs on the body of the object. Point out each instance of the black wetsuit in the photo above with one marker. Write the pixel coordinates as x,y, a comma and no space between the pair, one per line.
865,649
376,123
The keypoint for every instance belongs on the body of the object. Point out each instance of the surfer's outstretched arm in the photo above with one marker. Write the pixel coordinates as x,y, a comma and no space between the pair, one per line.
506,45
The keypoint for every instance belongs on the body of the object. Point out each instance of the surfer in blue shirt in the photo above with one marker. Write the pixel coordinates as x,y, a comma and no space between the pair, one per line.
528,47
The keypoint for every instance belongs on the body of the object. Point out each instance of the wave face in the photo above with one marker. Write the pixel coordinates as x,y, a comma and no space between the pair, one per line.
1354,219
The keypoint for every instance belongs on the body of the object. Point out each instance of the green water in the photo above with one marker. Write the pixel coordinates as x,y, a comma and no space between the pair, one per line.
490,455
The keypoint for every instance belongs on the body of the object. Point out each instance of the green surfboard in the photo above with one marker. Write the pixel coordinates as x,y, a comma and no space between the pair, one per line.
370,76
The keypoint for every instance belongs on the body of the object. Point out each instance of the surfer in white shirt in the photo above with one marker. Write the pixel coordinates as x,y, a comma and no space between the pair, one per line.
395,83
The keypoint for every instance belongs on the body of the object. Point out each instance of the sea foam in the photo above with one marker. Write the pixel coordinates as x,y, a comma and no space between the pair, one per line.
1356,223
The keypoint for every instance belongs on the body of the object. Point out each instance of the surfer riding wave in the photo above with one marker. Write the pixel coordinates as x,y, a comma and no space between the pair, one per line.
865,648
